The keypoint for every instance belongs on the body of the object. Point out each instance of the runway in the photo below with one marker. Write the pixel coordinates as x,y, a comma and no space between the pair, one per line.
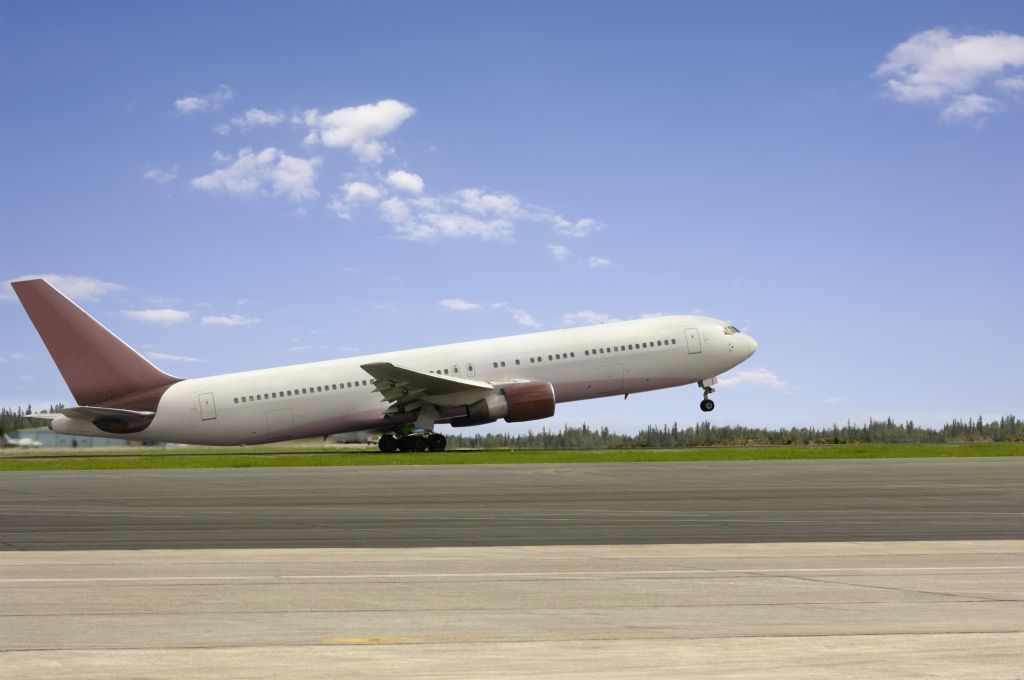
505,505
800,569
753,610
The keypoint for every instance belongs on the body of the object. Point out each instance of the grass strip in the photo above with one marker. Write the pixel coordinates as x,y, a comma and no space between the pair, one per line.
270,456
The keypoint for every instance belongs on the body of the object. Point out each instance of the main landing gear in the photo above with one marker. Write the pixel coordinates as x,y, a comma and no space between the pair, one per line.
428,441
706,404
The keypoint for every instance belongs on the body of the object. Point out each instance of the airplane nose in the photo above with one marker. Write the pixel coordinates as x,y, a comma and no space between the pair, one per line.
751,345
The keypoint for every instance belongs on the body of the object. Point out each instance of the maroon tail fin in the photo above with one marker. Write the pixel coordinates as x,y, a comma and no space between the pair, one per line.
99,368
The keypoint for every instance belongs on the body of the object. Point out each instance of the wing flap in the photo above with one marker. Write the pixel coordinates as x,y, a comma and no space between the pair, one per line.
408,389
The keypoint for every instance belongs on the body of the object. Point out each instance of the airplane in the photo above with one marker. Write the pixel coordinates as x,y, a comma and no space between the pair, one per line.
404,394
22,442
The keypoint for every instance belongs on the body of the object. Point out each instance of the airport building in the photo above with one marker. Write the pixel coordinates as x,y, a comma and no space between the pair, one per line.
52,440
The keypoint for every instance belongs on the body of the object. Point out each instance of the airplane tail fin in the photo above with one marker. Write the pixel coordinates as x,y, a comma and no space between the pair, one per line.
98,367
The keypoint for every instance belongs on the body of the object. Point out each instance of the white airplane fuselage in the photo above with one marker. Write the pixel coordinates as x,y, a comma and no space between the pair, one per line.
329,397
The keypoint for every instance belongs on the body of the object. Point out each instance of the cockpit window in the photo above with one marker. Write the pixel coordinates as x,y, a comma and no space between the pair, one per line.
731,330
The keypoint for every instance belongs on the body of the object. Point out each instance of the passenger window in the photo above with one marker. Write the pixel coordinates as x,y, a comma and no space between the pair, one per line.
531,360
251,398
623,348
549,358
364,382
503,364
586,352
673,341
266,396
615,348
572,354
517,362
540,359
236,400
446,370
495,364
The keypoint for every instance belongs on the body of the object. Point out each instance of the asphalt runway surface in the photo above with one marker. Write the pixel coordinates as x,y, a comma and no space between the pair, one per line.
516,505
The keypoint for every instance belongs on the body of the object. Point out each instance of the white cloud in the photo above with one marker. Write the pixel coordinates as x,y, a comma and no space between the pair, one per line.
75,287
578,229
467,213
1014,84
599,262
758,377
206,102
356,192
406,181
12,356
229,320
937,66
458,305
358,128
161,176
969,107
353,194
832,400
251,119
586,317
167,317
525,318
558,252
269,171
160,356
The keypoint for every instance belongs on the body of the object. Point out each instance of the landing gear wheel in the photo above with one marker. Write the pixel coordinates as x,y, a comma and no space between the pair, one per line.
707,405
419,443
436,442
388,443
406,443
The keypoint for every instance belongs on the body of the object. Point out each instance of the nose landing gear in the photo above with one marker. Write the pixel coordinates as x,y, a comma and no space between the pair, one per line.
706,404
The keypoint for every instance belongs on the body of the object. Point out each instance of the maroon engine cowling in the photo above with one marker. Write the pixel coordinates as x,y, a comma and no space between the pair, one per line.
528,401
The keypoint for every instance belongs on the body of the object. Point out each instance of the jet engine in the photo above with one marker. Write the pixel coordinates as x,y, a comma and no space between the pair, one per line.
517,403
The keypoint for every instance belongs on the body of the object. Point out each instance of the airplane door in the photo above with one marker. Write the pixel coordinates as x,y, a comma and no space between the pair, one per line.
207,407
692,341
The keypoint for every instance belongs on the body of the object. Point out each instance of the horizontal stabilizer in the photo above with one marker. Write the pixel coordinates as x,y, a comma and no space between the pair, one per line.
112,420
93,412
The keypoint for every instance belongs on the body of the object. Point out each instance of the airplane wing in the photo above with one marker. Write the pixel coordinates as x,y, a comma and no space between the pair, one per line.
409,390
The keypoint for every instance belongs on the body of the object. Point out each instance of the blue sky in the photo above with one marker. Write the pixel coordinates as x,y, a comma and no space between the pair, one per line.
231,186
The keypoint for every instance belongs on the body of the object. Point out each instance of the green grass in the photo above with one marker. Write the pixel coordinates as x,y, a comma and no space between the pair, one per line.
290,456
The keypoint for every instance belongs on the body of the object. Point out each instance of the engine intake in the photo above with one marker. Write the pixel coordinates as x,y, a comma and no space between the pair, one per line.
518,403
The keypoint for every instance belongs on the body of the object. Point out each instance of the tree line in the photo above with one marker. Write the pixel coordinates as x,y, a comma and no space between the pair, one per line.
1006,429
11,420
